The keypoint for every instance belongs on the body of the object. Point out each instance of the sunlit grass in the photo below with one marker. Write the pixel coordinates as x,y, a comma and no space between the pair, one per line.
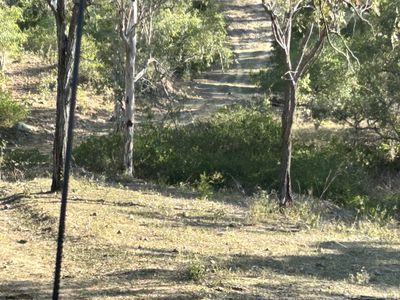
126,243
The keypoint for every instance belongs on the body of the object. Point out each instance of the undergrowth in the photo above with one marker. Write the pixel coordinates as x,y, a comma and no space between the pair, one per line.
240,149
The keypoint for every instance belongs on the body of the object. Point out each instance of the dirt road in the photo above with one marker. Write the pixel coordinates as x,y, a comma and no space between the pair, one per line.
250,37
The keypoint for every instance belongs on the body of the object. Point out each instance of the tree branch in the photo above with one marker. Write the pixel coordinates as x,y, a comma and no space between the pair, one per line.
144,70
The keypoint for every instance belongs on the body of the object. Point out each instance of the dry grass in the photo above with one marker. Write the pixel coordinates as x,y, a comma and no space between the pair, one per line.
129,244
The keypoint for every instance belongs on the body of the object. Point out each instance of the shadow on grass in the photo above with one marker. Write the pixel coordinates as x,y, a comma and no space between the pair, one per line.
138,284
205,221
334,262
340,260
12,199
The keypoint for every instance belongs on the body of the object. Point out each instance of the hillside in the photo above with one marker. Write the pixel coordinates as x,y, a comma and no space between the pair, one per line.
131,239
129,242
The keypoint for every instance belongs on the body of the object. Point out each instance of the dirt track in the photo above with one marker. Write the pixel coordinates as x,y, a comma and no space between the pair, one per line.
250,37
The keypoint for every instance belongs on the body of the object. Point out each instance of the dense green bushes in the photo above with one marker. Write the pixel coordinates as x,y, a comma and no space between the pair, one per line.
100,154
18,164
242,146
190,40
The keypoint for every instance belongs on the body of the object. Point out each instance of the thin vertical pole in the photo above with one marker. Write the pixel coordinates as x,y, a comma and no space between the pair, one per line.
63,210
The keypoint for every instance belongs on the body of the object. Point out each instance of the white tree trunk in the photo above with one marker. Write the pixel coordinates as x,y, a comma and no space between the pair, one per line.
130,74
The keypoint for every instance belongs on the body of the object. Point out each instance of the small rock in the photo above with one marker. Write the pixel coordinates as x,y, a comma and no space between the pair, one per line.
119,232
140,247
93,214
22,242
26,128
175,251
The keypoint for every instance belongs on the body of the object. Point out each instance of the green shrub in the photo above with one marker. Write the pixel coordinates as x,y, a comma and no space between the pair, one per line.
242,144
240,147
206,183
191,40
19,164
239,144
41,38
328,169
196,270
100,154
10,111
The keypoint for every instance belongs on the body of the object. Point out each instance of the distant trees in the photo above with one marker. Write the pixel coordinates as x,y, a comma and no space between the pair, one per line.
365,97
301,28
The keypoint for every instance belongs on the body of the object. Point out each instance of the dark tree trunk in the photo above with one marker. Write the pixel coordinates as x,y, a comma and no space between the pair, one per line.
66,57
59,134
285,189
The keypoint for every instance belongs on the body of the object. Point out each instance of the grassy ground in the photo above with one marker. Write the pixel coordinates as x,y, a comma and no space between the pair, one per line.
131,242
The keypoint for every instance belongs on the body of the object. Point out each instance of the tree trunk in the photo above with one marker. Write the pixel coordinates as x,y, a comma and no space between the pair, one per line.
130,74
285,189
66,58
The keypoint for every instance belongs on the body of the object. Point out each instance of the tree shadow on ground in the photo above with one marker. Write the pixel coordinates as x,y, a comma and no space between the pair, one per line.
333,261
150,283
141,284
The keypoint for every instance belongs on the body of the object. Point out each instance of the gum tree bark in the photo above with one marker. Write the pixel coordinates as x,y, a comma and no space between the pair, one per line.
66,39
128,12
285,189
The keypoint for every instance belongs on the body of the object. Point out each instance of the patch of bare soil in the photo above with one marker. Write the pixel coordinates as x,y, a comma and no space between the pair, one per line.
33,83
125,243
250,37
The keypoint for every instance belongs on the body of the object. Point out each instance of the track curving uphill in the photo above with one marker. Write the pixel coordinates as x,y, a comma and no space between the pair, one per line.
250,37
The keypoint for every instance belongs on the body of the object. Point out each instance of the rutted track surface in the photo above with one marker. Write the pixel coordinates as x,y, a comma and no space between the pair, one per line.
250,37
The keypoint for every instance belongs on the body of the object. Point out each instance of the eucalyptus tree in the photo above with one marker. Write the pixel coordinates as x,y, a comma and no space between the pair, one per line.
66,24
131,15
301,28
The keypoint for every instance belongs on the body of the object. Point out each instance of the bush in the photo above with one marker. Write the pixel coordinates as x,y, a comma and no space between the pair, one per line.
191,40
100,154
328,169
11,36
41,38
10,111
240,148
21,164
242,144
